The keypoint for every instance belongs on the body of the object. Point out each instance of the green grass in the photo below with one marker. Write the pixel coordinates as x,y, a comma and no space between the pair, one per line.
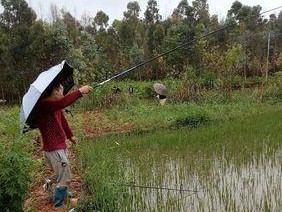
117,160
148,116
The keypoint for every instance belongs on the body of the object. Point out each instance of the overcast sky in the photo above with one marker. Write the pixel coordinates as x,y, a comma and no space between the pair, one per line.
115,8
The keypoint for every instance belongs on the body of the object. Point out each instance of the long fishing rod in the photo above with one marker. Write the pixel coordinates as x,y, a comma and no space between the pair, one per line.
174,49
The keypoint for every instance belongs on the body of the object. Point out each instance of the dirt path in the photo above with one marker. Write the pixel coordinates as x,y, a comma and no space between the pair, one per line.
38,199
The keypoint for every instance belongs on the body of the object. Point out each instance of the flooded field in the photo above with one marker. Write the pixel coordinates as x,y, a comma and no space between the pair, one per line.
207,182
234,166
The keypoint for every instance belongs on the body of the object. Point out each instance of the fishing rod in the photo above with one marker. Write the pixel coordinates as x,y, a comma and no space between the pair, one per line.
174,49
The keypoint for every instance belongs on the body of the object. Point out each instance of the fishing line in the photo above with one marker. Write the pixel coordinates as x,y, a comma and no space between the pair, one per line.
159,188
178,47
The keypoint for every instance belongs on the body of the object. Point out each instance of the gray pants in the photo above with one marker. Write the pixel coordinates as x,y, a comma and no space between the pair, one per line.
58,160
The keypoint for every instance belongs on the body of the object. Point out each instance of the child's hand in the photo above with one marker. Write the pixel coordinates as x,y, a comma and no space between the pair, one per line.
85,89
74,140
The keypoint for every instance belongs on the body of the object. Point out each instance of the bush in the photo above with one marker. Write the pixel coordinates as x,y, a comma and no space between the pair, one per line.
15,166
274,89
15,162
193,120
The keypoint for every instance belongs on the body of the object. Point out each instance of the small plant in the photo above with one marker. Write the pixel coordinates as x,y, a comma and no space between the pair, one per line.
192,121
193,117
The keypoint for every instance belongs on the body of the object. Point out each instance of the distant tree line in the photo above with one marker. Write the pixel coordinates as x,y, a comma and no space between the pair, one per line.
97,50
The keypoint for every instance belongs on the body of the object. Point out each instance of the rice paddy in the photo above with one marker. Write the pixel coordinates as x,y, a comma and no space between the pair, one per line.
230,166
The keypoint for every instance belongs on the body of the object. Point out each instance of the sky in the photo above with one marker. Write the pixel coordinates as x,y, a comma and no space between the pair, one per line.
115,8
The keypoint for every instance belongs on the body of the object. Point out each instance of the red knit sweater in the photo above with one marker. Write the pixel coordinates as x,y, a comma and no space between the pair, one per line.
52,123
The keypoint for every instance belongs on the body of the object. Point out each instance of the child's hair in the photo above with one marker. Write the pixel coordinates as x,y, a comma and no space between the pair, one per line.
57,85
49,91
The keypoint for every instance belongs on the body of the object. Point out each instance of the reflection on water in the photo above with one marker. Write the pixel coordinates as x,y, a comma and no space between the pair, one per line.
218,182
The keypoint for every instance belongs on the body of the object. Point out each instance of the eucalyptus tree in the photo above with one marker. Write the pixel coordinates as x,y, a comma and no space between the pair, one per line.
87,60
154,40
217,38
87,24
135,51
202,26
201,12
129,34
275,41
16,12
181,29
279,39
73,26
4,58
16,22
104,42
132,17
151,21
251,31
187,24
101,21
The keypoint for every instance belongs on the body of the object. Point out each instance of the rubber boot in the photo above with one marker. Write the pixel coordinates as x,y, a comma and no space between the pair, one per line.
60,195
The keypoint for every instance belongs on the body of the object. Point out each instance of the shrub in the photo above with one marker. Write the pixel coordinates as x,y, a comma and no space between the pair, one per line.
15,165
193,120
274,90
15,162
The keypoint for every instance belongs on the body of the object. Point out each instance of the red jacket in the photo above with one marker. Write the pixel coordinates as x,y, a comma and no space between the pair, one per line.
52,123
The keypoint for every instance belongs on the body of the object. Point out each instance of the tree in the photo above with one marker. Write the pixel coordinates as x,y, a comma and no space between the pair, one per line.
128,32
250,30
72,26
16,12
152,13
132,12
101,20
154,35
16,21
201,12
226,65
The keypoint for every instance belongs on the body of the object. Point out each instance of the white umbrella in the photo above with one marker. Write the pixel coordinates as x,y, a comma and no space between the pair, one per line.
61,73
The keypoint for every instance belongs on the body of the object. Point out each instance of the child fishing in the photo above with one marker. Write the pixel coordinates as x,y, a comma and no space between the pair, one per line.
55,131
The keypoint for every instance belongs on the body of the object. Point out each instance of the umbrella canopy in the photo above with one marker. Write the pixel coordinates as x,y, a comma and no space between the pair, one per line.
160,89
45,82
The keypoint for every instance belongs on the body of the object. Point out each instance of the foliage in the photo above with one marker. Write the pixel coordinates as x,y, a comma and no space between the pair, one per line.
192,120
98,50
225,65
274,90
15,163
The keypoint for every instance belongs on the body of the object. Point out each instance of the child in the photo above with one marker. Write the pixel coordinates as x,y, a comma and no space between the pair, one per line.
54,130
161,91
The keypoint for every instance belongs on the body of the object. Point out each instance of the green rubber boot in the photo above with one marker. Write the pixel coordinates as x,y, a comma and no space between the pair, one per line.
60,196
